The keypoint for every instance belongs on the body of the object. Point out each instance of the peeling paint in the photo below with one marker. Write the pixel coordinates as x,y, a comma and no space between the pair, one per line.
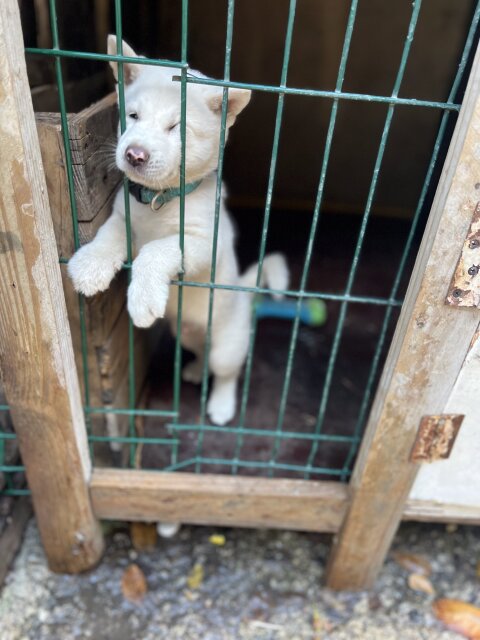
464,290
27,209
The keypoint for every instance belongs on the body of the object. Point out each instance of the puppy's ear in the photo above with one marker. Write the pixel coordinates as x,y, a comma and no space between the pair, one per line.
130,71
237,101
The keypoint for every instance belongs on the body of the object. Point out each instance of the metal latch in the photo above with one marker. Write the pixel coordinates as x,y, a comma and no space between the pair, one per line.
435,438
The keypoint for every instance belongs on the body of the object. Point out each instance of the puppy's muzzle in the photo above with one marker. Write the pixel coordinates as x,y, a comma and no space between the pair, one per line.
136,156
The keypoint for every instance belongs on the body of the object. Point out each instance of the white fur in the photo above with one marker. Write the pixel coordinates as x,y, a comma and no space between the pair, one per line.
152,95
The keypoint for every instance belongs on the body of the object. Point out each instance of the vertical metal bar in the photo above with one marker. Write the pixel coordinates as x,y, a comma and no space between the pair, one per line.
177,369
373,185
73,208
218,198
266,220
313,229
408,245
126,198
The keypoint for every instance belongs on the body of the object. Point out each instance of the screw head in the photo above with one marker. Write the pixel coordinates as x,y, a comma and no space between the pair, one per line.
474,243
473,270
456,293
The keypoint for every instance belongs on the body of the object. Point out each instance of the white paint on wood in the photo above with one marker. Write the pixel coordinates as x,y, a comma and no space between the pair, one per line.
456,481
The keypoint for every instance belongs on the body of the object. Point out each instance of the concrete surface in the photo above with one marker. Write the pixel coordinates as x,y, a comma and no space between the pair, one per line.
261,585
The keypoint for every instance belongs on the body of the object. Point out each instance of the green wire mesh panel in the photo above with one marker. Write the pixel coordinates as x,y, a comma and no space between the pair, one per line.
187,444
12,479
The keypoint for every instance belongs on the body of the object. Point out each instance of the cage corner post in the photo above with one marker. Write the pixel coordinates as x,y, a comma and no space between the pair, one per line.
425,358
36,355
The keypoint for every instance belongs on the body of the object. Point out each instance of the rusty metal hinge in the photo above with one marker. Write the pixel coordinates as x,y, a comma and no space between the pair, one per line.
464,290
435,437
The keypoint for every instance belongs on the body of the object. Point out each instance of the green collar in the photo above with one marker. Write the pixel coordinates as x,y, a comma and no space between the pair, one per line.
157,199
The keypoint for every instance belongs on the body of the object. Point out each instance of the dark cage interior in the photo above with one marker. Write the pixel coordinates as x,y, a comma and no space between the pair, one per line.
345,167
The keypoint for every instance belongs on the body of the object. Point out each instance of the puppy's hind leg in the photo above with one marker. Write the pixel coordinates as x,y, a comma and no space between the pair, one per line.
193,340
227,355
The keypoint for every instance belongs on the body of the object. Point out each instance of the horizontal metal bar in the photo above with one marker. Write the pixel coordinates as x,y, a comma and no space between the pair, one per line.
175,466
335,297
235,430
11,468
132,412
4,407
319,93
288,292
106,57
270,465
8,436
133,440
15,492
314,93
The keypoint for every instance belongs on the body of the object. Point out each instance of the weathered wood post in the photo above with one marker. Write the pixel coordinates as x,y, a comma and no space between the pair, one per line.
425,358
36,357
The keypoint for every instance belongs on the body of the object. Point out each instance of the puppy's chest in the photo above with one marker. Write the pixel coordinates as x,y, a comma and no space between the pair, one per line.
148,225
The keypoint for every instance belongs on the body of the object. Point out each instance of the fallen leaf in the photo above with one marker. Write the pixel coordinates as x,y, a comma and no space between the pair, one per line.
195,578
419,582
459,616
413,563
134,584
374,602
143,535
317,624
217,539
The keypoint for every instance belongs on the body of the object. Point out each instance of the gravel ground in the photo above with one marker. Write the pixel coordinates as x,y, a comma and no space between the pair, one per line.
261,585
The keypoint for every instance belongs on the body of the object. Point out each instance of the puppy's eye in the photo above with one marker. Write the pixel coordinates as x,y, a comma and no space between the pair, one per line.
133,115
173,126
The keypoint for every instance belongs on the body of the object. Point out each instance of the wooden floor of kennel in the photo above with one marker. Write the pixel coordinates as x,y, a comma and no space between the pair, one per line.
431,342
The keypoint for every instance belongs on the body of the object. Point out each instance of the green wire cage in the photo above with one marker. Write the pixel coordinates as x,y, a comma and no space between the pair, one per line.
289,433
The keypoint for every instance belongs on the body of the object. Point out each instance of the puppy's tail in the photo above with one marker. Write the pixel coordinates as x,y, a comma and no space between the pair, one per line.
275,274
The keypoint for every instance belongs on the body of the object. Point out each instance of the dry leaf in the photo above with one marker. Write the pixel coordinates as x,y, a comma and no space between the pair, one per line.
143,535
418,582
317,624
413,563
134,584
459,616
217,539
195,578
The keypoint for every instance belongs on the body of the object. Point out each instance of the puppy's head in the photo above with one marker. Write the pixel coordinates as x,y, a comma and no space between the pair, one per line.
150,149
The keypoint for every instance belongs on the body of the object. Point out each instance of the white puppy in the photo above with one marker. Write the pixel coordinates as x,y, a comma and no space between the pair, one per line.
149,153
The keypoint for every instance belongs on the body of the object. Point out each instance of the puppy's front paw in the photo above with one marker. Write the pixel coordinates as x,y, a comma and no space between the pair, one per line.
147,299
91,270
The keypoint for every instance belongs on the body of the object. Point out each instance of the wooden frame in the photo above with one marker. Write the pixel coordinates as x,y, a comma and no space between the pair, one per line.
425,358
36,356
304,505
42,388
300,505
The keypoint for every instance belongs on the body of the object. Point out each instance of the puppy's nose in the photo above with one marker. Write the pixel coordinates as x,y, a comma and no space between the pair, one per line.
136,156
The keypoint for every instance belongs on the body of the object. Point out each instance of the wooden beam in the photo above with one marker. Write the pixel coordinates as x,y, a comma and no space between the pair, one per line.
121,494
426,355
36,356
430,511
216,499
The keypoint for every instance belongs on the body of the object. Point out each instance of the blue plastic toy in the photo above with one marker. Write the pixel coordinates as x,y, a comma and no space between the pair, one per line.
313,312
